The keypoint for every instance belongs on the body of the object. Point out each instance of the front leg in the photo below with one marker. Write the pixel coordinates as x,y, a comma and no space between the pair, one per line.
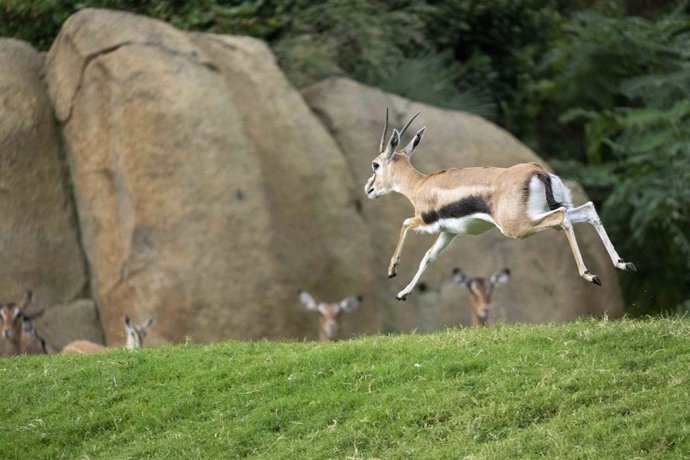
412,222
439,245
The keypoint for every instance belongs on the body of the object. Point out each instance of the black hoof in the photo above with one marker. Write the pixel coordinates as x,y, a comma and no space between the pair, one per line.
402,299
393,275
596,280
629,266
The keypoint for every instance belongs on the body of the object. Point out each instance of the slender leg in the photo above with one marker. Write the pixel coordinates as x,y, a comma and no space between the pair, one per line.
559,218
412,222
587,213
439,245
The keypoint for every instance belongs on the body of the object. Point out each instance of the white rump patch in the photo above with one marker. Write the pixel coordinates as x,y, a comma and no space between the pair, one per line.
536,200
561,192
537,205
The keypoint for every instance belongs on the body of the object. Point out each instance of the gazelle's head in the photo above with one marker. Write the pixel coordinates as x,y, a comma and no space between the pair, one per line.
481,290
384,181
12,317
329,313
136,333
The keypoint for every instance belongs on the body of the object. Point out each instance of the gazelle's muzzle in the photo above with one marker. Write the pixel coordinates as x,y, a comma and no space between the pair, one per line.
369,188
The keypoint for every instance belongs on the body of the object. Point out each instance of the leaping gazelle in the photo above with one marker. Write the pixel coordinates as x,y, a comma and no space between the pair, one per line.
520,201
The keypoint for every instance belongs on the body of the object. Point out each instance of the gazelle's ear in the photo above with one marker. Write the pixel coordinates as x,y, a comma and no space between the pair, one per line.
500,277
350,303
36,314
147,325
415,142
128,322
459,276
307,300
26,300
392,144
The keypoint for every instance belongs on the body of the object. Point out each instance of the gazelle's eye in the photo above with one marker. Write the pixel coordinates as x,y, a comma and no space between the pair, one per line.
375,166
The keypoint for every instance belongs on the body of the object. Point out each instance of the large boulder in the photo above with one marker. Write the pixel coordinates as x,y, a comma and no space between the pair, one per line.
207,191
39,242
544,286
63,323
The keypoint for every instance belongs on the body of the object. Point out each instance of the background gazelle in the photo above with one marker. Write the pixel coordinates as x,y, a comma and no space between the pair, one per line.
329,313
18,333
520,201
135,339
481,289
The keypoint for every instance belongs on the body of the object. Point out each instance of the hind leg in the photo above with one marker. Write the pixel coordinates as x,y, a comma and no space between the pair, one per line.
587,213
559,218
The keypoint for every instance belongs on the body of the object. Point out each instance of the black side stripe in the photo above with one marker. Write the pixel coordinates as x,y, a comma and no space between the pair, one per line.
461,208
550,200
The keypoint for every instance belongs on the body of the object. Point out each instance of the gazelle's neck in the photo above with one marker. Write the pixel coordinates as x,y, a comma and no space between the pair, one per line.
406,178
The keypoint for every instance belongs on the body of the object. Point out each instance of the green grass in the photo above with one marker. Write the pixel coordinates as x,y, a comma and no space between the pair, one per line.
590,389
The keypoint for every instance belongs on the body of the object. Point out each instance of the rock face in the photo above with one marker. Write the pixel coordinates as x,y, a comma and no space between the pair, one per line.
38,242
207,192
544,285
63,323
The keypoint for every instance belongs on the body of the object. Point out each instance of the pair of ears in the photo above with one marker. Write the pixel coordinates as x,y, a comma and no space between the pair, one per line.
500,277
347,304
145,325
24,304
409,148
396,137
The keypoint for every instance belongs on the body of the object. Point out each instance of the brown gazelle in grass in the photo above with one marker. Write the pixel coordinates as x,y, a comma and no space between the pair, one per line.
135,339
520,201
329,313
18,333
481,289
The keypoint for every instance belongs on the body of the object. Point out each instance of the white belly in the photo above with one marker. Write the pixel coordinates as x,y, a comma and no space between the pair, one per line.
474,224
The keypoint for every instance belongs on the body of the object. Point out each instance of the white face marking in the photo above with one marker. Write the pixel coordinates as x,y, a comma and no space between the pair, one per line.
379,183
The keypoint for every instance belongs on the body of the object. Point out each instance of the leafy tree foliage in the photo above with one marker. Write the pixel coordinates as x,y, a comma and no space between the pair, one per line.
630,78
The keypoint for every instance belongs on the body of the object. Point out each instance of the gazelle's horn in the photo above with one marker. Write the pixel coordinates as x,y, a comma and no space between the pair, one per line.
385,131
402,132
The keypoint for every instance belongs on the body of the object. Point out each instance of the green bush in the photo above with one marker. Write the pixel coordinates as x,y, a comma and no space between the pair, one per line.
630,78
464,54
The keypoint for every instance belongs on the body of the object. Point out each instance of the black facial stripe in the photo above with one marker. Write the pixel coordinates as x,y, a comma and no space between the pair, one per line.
461,208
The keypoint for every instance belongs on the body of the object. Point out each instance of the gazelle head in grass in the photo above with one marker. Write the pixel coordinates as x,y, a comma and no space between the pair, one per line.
17,333
135,339
136,333
481,290
329,313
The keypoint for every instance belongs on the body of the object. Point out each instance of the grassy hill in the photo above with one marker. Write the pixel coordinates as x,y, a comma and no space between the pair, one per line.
590,389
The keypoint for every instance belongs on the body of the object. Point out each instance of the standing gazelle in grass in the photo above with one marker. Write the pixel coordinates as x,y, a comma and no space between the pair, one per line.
481,289
520,201
18,333
329,313
135,339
